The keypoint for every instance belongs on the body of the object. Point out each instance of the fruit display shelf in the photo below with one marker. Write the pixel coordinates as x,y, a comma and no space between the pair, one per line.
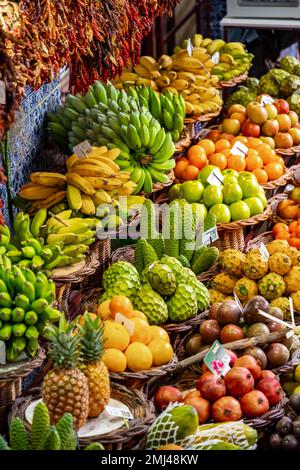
123,437
273,202
11,376
184,142
191,123
289,152
233,82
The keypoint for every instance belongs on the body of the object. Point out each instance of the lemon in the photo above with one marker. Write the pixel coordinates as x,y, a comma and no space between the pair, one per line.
162,351
142,331
116,335
139,357
114,360
138,314
158,332
104,311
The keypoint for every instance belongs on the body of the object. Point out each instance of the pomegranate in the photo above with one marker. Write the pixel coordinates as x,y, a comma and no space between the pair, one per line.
226,409
233,357
239,381
166,395
231,333
251,364
209,331
211,386
268,374
201,405
272,389
254,403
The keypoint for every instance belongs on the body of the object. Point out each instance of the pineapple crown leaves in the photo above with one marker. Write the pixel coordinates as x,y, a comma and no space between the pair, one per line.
64,344
91,338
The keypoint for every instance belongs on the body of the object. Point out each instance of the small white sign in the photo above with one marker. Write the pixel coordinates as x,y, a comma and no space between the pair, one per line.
129,325
189,47
237,301
118,412
215,178
216,57
264,252
217,359
210,236
2,353
82,149
289,334
266,99
292,311
239,149
2,92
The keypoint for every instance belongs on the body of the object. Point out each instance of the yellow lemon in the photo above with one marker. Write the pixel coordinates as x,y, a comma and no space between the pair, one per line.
138,314
114,360
142,330
158,332
104,311
162,351
139,357
116,335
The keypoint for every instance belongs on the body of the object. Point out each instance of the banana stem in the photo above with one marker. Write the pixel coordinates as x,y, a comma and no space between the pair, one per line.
58,218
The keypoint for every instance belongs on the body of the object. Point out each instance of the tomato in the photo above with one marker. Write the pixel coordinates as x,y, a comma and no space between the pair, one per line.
226,409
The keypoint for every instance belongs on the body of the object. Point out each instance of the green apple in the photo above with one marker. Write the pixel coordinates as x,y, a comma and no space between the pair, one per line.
249,187
174,192
212,195
255,205
239,210
200,211
261,195
192,191
246,175
206,171
230,179
232,193
230,172
222,213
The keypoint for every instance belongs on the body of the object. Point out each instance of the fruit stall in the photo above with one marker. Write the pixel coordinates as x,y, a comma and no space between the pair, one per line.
150,256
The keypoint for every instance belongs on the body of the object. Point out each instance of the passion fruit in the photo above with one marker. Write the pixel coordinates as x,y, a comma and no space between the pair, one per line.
258,354
277,354
209,331
257,329
193,345
228,312
252,307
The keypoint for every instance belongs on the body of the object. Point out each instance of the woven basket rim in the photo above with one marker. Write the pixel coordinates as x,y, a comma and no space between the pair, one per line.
287,176
202,118
145,375
256,219
24,369
261,238
234,81
290,151
184,142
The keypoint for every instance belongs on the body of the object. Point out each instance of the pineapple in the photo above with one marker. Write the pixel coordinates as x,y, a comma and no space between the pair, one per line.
65,387
93,367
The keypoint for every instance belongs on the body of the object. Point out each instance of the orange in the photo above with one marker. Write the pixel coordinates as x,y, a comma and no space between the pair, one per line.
121,304
116,335
292,227
282,235
241,117
198,157
228,137
207,145
241,138
214,135
158,332
92,316
190,173
253,162
278,159
142,330
138,314
253,142
274,170
266,153
252,153
261,175
139,357
162,351
235,162
295,242
298,231
279,227
222,144
218,159
181,159
180,167
195,150
103,310
226,152
114,360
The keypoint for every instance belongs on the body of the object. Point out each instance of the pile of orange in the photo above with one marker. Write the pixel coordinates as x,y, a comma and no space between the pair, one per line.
260,159
290,232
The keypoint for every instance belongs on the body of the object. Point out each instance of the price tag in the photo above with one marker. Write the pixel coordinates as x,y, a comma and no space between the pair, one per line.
2,92
217,359
210,236
82,149
118,412
215,178
266,99
2,353
292,311
264,252
189,47
239,149
237,301
216,57
129,325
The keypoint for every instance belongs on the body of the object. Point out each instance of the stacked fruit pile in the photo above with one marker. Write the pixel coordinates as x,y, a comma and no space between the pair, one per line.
164,291
134,345
286,435
25,302
289,209
291,381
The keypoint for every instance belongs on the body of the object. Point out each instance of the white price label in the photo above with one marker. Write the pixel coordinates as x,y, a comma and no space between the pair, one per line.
217,359
189,47
237,301
210,236
266,99
129,325
2,92
82,149
264,252
292,311
118,412
216,57
215,178
239,149
2,353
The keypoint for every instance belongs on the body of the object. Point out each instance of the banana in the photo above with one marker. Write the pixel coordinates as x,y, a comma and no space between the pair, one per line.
136,174
37,192
35,244
75,179
168,165
197,40
127,188
124,176
88,206
159,140
66,238
48,179
74,197
188,76
163,81
189,108
166,151
139,184
71,161
164,61
125,76
101,197
155,105
157,176
142,71
112,154
79,226
101,162
148,184
86,169
144,135
180,84
71,250
37,221
134,137
48,202
144,81
168,120
135,119
178,123
149,63
100,92
104,183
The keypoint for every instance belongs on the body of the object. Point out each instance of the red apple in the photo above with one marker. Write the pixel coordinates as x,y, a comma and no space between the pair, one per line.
284,122
166,395
282,106
295,133
283,140
250,129
294,118
270,128
256,112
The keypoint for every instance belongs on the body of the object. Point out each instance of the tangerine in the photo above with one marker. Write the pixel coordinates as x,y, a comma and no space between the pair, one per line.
159,333
116,335
121,304
253,162
241,117
190,173
219,160
103,310
214,135
142,330
279,227
236,162
92,316
207,145
222,144
198,160
295,242
241,138
180,167
261,175
162,351
226,136
274,170
292,227
253,142
114,360
283,235
139,314
139,357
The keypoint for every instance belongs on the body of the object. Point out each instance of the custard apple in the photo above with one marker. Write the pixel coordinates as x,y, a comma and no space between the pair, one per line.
224,283
173,264
271,286
279,75
294,102
161,278
252,83
296,301
232,261
268,85
284,305
279,263
290,85
288,63
151,304
255,266
292,279
202,293
296,70
245,289
121,278
183,304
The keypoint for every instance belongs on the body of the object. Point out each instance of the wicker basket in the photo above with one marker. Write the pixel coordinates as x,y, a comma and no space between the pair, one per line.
273,203
123,438
290,365
263,238
233,82
183,143
101,251
11,384
191,123
288,152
